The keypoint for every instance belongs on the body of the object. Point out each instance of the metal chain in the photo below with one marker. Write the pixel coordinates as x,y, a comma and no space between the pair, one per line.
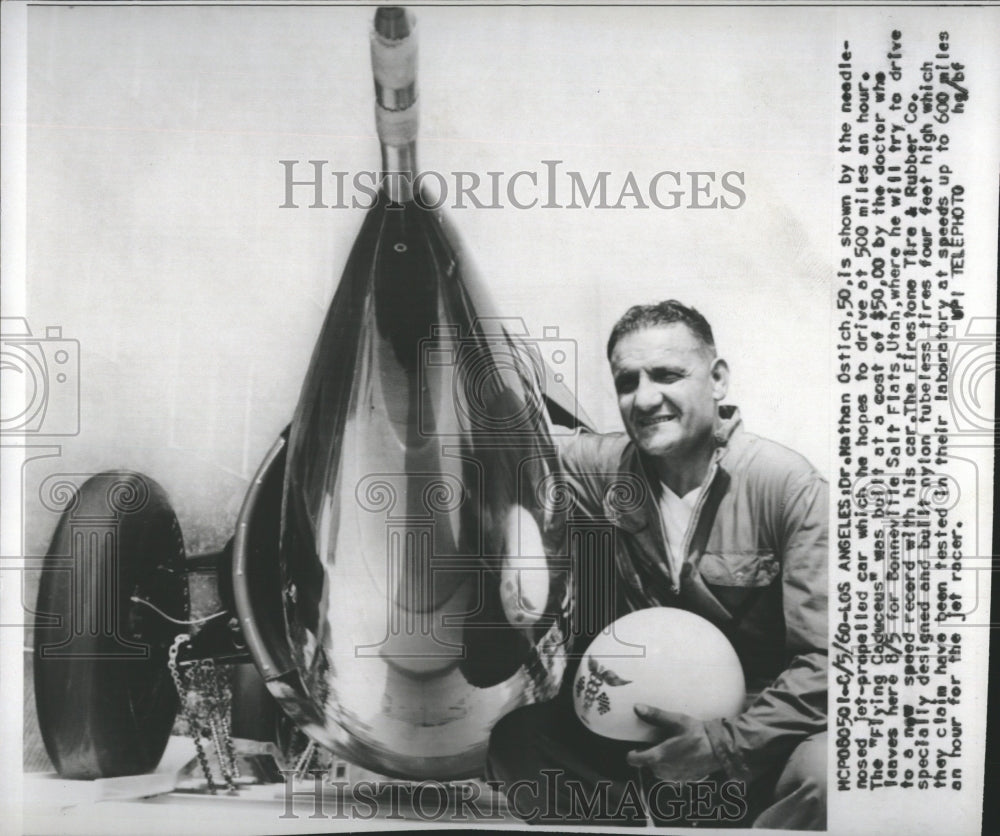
205,679
223,710
213,727
193,728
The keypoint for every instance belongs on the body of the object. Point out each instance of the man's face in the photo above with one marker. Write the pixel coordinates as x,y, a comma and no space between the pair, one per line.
668,386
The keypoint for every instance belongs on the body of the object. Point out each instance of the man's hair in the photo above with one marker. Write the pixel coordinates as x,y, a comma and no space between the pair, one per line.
639,317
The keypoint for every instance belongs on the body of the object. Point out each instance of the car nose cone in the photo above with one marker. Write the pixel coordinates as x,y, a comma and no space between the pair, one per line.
420,590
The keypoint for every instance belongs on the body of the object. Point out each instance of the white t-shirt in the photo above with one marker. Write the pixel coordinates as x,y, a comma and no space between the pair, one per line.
676,512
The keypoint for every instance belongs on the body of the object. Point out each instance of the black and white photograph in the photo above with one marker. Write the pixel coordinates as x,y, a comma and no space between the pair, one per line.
568,417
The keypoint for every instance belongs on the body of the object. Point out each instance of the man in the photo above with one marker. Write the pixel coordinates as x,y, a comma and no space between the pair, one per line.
730,526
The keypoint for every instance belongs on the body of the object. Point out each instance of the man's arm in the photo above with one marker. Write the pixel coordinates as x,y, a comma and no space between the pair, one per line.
586,459
794,706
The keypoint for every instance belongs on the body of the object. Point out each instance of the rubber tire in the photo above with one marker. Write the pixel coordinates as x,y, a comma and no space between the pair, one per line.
106,702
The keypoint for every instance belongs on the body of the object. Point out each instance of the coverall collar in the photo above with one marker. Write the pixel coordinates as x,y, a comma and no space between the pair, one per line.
635,516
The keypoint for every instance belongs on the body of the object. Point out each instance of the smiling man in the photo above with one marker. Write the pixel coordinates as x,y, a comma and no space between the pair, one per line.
717,521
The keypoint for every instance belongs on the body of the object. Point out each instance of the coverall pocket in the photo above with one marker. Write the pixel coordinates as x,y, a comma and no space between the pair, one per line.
737,581
746,570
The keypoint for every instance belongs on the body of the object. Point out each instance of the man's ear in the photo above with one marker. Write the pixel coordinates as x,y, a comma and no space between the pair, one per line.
720,378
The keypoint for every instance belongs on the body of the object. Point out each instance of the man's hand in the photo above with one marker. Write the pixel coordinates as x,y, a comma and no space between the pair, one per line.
686,754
